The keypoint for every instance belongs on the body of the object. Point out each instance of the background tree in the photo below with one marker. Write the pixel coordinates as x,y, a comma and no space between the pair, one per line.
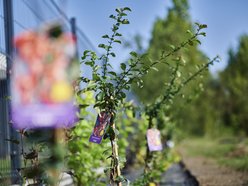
222,107
171,30
235,81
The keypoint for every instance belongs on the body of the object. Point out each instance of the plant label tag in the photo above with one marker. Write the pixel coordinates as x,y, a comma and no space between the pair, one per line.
154,140
42,94
102,121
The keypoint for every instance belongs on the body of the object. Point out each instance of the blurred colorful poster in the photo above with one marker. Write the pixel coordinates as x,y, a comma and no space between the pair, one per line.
102,122
42,78
154,140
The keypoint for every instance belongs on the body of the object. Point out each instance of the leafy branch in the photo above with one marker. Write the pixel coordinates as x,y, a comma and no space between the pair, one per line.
170,93
138,60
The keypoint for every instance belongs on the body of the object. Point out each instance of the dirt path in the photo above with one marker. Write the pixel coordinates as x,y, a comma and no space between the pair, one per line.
209,173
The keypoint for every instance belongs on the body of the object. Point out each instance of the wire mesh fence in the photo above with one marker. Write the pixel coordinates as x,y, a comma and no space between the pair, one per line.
5,165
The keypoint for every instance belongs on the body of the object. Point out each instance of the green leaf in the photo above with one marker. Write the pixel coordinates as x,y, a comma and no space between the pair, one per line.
81,106
154,68
134,54
112,73
83,57
127,9
86,52
98,104
96,77
127,87
112,54
198,41
118,34
191,43
123,14
91,87
125,21
105,36
123,66
100,96
178,74
203,26
140,83
117,41
115,27
172,47
84,79
117,132
80,91
106,151
122,95
198,24
112,17
89,63
203,34
109,65
188,31
102,46
118,10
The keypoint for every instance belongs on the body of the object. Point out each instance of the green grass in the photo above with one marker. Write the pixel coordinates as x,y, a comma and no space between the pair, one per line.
231,152
4,165
4,171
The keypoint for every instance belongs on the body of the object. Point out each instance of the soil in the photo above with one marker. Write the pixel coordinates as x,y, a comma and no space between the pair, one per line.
209,173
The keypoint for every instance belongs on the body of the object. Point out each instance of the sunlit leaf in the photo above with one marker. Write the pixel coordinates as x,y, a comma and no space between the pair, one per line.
123,66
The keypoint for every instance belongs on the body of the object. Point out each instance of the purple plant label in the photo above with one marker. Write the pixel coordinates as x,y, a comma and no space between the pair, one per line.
42,79
102,122
154,140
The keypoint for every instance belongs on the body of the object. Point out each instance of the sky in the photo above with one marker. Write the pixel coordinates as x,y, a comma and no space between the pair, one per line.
226,20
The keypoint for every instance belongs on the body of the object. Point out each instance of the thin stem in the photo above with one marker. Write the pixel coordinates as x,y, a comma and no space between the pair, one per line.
106,59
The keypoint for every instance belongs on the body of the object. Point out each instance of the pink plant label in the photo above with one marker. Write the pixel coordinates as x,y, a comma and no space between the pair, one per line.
41,84
154,140
102,122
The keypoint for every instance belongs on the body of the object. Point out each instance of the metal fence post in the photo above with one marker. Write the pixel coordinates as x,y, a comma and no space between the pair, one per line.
74,32
9,33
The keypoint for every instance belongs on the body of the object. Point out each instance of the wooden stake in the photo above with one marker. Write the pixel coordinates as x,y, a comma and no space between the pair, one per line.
116,171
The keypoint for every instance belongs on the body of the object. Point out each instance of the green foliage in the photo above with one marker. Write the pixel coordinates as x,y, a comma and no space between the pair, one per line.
85,158
222,107
235,82
108,85
5,166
